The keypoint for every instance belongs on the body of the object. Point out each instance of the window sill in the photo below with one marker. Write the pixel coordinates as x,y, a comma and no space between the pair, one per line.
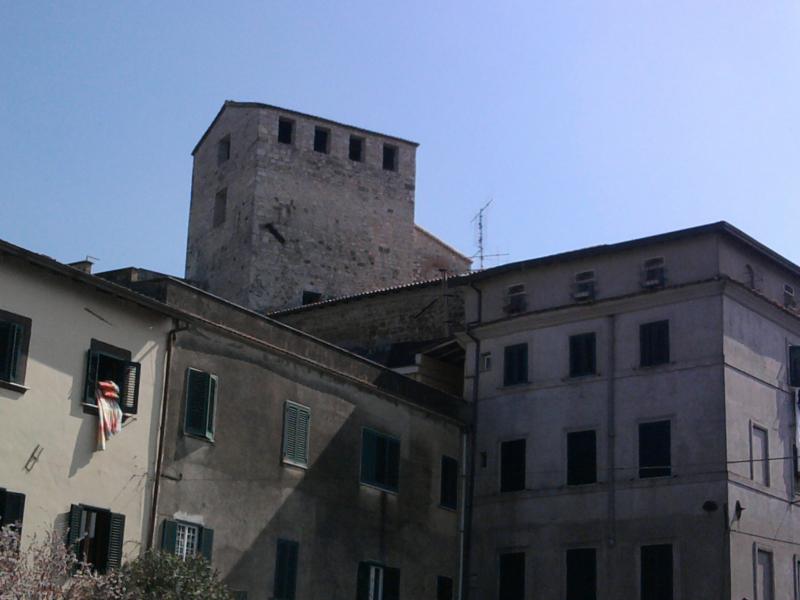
451,509
14,387
380,488
291,463
519,384
196,436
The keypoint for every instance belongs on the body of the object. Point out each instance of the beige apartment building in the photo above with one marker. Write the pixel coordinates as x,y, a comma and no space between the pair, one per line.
61,331
635,408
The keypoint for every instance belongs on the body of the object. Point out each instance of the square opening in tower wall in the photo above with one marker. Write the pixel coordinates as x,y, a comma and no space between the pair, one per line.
356,148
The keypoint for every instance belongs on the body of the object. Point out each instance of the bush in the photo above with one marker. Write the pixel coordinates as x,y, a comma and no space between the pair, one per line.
48,570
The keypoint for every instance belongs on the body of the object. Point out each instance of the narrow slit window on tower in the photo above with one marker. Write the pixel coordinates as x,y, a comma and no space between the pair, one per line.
356,148
389,157
285,130
223,149
322,140
220,207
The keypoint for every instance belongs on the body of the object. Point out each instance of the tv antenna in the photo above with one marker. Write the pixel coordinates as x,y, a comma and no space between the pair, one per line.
481,220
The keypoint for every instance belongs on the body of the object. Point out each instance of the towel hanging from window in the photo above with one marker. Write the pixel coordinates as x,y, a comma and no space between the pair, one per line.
109,414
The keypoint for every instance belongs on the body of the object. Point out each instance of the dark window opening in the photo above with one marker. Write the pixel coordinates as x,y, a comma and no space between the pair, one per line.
794,366
654,343
95,536
12,510
512,576
656,572
444,588
15,334
310,297
655,453
512,466
285,131
516,299
448,496
389,158
285,581
582,355
581,457
223,149
109,363
356,150
322,140
220,207
581,574
377,582
515,368
380,460
201,401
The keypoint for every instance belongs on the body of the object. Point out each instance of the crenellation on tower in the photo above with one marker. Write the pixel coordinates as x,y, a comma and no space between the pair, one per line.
313,209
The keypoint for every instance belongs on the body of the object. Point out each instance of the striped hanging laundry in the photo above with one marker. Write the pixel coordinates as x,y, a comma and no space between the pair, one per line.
109,414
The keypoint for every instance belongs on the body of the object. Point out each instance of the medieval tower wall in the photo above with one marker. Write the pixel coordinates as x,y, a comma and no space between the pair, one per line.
288,208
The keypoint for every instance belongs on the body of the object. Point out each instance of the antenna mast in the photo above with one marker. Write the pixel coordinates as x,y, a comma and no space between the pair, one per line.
479,218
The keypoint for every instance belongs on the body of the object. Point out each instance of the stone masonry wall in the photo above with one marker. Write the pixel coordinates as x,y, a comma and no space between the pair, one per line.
300,220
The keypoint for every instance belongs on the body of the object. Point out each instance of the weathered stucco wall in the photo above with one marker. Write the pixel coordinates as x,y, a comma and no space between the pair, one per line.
239,487
66,316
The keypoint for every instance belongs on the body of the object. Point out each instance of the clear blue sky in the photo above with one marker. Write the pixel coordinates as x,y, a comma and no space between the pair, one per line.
587,122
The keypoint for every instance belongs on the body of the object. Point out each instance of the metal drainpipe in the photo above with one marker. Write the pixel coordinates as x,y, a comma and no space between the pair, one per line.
161,429
612,439
464,588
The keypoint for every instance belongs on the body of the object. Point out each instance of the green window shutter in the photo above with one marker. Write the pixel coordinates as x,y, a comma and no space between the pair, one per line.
211,403
362,585
368,456
206,543
129,394
74,533
295,433
116,536
169,536
198,386
392,464
13,507
285,570
794,366
391,584
92,366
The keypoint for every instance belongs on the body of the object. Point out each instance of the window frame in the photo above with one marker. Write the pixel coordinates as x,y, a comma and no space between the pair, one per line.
767,480
567,434
577,342
595,551
385,487
444,494
362,146
511,552
186,526
224,143
211,416
506,489
674,571
289,405
282,121
220,213
112,557
16,381
121,355
640,468
169,538
328,135
395,157
647,351
521,378
758,548
289,551
793,365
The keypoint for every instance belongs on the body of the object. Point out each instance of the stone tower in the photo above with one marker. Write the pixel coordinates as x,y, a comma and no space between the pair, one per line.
289,208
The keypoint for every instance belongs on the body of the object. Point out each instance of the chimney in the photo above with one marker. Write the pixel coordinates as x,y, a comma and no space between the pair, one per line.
84,265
